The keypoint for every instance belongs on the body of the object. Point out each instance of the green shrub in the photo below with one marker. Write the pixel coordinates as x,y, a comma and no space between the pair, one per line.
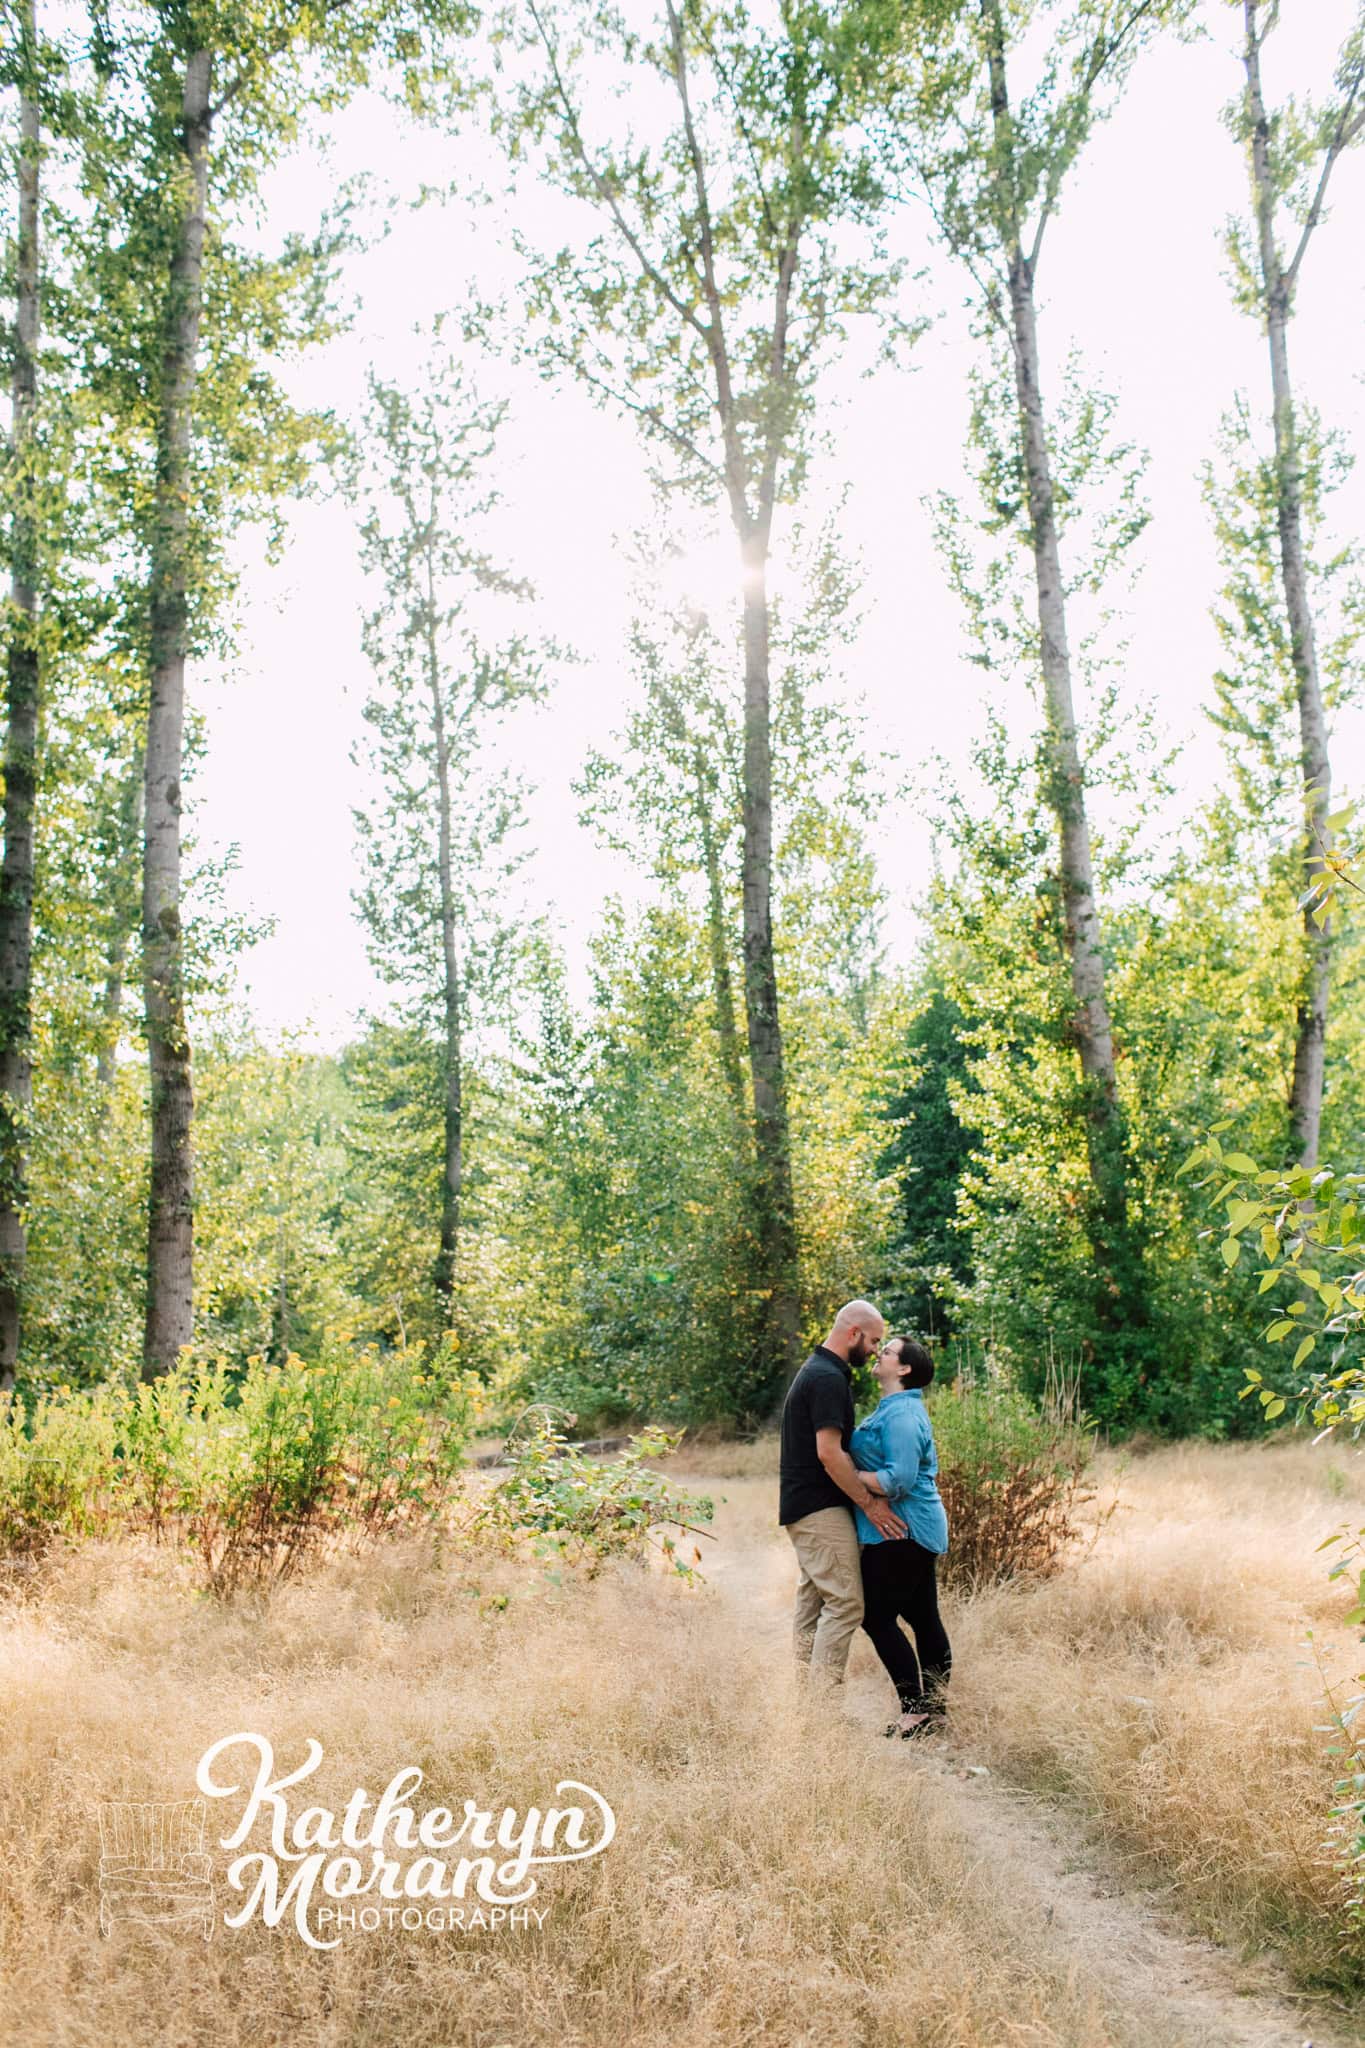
1011,1475
585,1509
58,1467
251,1468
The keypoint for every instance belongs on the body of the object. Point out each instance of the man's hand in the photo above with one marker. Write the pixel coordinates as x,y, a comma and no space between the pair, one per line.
862,1488
883,1521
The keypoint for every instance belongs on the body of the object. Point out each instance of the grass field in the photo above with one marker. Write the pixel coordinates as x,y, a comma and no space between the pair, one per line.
780,1874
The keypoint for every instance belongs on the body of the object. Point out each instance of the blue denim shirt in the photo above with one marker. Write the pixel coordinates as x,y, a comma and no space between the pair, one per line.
897,1443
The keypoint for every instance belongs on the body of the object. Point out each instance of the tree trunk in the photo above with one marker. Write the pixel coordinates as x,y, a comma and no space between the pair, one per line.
21,739
282,1333
170,1235
722,984
1066,776
774,1200
1311,1025
452,1176
122,918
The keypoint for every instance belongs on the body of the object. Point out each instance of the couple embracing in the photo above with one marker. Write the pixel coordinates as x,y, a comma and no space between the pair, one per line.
862,1509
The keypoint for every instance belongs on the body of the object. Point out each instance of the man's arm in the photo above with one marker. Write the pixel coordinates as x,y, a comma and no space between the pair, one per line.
845,1474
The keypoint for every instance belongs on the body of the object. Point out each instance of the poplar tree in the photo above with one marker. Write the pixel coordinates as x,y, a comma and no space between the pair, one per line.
22,687
992,160
714,282
437,834
199,103
1292,153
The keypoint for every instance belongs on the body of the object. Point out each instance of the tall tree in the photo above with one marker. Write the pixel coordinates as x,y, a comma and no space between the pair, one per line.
436,834
170,1221
992,165
670,791
22,709
1291,156
714,282
199,104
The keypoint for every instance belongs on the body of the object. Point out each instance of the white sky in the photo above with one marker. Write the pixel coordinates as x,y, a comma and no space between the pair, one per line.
1133,274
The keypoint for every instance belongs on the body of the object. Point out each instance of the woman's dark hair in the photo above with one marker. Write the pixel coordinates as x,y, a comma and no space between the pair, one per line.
917,1365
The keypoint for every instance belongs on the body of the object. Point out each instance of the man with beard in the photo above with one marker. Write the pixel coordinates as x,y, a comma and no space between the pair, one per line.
819,1486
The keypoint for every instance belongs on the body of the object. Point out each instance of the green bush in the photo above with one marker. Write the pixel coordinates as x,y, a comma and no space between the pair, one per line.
252,1468
1011,1476
58,1467
585,1509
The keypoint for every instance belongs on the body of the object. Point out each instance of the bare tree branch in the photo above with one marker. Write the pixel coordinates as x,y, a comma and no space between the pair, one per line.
604,190
1102,51
1348,126
720,359
648,413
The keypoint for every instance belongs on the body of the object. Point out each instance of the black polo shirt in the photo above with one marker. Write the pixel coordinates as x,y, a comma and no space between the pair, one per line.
820,1397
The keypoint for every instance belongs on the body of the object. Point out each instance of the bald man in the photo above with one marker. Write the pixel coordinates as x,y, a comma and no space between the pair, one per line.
818,1487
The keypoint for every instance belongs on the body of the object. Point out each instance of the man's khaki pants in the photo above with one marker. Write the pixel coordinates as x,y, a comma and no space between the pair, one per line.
829,1598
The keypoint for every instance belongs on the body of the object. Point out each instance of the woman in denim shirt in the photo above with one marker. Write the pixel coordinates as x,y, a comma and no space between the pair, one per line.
900,1575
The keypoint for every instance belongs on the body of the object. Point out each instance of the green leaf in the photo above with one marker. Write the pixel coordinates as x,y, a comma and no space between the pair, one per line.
1238,1162
1309,1344
1275,1408
1232,1251
1276,1331
1268,1280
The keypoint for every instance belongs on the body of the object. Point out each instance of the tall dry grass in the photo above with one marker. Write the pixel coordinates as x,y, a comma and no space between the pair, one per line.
779,1875
1165,1682
772,1881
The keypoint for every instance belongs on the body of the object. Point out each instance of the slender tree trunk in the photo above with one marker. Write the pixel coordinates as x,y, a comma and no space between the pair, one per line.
774,1199
283,1332
1311,1035
1066,775
722,983
775,1204
21,740
452,1176
170,1236
123,916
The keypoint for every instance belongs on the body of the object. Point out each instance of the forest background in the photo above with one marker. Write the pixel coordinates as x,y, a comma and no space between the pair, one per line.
612,737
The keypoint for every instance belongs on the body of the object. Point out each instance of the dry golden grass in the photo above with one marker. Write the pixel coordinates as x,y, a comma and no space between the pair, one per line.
780,1875
1166,1682
767,1884
717,1458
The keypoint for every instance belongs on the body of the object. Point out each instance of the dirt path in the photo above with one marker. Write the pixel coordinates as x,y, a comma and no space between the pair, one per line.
1163,1986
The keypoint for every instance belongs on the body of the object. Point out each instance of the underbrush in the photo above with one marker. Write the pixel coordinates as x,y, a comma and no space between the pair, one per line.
1012,1478
250,1469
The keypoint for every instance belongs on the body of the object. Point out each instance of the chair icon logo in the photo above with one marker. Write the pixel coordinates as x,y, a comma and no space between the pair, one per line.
153,1867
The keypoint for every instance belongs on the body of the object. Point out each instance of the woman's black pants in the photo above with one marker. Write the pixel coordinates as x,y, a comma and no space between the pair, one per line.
899,1585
